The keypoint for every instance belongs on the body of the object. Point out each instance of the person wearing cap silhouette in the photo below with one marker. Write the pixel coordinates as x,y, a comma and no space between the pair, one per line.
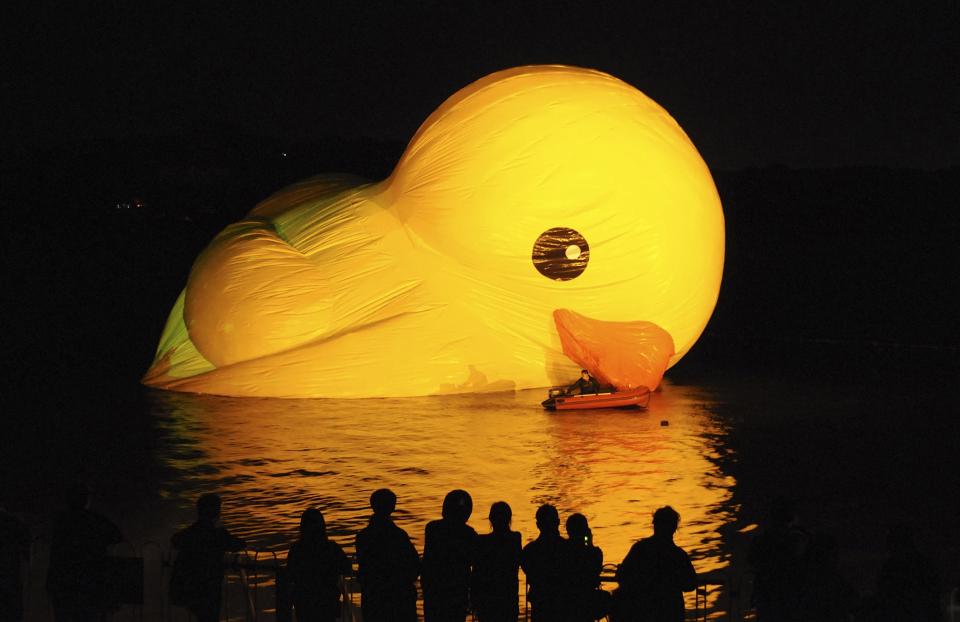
448,551
387,565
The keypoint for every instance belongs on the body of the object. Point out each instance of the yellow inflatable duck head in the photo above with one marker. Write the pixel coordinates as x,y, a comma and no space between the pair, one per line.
543,219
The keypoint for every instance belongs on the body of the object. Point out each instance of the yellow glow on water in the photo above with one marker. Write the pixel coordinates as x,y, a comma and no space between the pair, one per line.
272,458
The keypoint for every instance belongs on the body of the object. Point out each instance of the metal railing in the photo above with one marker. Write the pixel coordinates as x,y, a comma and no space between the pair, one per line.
733,592
253,590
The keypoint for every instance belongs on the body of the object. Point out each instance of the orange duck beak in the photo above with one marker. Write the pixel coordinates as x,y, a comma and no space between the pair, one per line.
627,355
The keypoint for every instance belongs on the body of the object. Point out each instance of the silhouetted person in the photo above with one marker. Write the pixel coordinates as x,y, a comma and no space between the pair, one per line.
583,566
14,546
908,588
655,574
584,384
77,577
448,549
543,563
388,565
314,567
197,577
824,594
775,555
494,591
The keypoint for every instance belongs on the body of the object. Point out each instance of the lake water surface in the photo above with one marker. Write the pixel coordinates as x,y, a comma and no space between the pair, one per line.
273,458
855,457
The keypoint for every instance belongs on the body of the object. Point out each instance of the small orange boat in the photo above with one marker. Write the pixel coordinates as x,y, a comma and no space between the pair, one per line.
638,398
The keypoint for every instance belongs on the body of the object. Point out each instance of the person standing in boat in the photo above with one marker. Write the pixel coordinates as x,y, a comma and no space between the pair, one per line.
584,385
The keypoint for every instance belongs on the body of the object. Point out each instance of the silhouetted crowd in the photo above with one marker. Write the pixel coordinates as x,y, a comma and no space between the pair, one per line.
798,579
796,574
463,572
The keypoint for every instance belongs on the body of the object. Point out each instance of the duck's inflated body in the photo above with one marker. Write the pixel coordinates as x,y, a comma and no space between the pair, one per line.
543,219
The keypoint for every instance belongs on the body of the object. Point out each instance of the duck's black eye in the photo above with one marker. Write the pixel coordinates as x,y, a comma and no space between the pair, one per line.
561,254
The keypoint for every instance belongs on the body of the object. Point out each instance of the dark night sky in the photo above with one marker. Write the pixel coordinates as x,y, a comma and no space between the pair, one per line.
774,84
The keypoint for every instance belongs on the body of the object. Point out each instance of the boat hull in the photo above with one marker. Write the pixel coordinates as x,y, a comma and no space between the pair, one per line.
638,398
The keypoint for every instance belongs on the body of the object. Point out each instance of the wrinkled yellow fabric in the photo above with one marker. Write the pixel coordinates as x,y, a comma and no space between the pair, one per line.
424,283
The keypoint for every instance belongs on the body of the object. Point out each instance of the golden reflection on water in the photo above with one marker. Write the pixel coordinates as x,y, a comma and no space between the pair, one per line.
272,458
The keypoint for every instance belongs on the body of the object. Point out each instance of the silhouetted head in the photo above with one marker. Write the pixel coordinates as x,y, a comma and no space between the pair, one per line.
548,519
900,539
77,496
312,525
383,502
500,516
457,506
578,530
208,507
782,511
585,374
665,521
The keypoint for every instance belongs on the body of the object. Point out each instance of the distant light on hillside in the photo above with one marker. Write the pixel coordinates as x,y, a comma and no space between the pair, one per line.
131,204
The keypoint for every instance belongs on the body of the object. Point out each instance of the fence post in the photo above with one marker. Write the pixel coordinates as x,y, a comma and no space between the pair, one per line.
284,612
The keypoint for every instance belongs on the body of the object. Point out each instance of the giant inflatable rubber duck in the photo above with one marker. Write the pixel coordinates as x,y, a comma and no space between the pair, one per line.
543,219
